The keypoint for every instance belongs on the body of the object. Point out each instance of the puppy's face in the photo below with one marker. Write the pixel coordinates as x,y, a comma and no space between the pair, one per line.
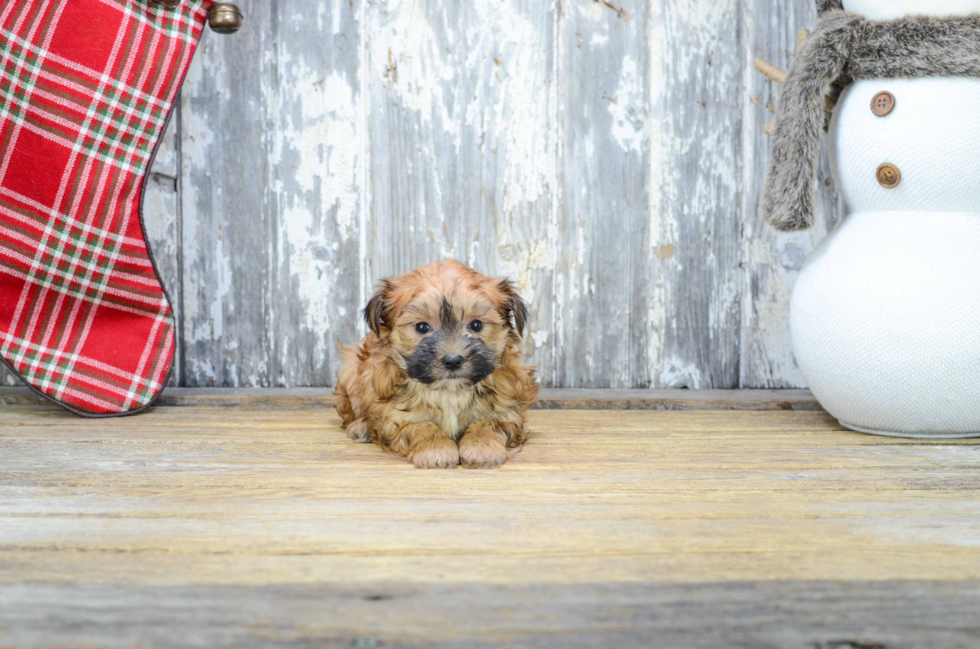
448,324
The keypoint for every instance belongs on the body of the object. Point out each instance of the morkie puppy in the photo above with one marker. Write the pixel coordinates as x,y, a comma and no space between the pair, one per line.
441,378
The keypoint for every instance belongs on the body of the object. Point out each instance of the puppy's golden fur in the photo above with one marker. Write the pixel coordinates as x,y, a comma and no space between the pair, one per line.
441,378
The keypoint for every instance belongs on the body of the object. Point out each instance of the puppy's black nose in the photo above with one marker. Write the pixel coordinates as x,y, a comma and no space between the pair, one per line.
452,362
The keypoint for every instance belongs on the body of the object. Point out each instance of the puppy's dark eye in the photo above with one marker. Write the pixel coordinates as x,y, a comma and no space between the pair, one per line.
423,328
476,326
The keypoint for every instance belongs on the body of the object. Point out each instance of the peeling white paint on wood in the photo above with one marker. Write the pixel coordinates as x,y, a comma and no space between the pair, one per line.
771,260
161,217
608,156
604,163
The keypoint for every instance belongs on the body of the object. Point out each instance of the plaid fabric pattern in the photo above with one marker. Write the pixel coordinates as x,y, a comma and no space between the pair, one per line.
85,90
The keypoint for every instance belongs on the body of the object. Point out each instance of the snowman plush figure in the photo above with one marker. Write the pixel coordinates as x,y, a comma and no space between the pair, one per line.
885,315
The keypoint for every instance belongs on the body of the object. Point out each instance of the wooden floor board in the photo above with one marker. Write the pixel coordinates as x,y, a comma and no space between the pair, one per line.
780,615
244,524
548,399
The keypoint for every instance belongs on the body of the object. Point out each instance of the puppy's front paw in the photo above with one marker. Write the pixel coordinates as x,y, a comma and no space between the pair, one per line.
359,431
435,454
482,447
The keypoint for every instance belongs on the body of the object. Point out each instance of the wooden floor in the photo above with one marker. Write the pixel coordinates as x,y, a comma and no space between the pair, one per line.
254,521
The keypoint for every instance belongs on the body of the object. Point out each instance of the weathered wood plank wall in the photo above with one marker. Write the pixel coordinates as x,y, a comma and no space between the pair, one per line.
771,260
607,155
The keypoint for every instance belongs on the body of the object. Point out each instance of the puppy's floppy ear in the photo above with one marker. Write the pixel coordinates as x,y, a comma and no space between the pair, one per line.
513,305
823,6
378,311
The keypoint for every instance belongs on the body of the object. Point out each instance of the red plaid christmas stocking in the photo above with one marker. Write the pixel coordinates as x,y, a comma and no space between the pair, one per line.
86,89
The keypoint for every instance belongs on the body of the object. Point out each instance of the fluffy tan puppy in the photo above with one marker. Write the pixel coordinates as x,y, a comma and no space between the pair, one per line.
441,378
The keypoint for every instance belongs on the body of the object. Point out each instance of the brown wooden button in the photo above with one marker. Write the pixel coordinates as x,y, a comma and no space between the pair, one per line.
889,176
883,103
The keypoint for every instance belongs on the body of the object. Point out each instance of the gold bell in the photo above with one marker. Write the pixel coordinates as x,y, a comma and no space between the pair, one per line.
225,18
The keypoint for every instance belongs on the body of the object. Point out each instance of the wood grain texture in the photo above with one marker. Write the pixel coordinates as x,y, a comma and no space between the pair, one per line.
254,526
772,259
608,156
548,399
772,615
699,180
272,197
228,207
161,219
604,165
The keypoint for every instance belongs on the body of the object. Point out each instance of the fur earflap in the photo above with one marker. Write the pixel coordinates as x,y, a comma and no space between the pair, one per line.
514,307
377,314
846,47
824,6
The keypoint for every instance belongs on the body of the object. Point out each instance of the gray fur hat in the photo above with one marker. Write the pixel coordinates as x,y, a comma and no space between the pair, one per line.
845,47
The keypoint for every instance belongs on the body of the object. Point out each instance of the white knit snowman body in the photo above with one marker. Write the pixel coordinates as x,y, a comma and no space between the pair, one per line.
885,316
